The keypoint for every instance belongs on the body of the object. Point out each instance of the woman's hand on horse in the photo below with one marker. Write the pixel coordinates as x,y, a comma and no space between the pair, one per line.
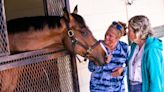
117,71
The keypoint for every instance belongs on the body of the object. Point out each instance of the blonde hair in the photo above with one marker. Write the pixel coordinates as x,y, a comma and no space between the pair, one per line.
121,32
141,26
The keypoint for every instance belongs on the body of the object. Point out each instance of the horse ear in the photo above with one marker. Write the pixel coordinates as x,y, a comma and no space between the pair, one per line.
66,14
75,10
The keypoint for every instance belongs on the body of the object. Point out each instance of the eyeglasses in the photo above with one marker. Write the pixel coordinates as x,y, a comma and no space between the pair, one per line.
118,26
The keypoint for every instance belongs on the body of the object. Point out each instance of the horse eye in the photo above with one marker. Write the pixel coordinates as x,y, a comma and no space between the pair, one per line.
84,33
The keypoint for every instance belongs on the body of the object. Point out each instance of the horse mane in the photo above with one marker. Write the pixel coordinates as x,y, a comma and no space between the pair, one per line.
36,22
39,22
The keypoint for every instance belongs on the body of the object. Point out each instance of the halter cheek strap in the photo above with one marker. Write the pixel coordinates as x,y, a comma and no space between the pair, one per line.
75,41
90,49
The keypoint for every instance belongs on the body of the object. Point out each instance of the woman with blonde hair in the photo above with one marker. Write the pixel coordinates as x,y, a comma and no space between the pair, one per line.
145,62
109,77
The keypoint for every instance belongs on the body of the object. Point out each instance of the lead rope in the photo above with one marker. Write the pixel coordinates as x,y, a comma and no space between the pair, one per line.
104,48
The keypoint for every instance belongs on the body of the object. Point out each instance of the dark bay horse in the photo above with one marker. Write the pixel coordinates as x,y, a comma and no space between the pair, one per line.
33,33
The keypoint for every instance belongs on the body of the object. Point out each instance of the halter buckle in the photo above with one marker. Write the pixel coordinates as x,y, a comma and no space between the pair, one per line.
70,33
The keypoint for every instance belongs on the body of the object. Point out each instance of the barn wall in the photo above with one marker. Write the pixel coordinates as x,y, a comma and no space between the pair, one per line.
99,14
22,8
151,8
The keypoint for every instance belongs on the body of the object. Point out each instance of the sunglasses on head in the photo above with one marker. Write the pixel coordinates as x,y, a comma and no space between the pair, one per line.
118,26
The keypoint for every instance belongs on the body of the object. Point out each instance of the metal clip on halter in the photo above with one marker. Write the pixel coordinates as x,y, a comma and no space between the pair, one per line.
89,50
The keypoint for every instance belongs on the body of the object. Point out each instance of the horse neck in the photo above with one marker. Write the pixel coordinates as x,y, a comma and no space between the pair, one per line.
33,40
53,36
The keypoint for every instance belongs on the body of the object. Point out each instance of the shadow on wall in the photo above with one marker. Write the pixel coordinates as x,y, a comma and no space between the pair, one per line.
159,31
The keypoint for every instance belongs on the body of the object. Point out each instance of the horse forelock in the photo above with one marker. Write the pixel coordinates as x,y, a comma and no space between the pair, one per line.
37,23
79,19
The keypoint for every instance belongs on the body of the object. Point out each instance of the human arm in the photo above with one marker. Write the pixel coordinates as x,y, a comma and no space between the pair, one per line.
121,70
117,71
93,68
155,70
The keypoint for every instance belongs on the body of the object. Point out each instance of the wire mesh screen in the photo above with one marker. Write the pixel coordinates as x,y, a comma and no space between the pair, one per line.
4,50
55,7
38,73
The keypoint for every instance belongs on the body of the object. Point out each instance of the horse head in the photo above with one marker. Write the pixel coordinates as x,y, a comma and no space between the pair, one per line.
80,40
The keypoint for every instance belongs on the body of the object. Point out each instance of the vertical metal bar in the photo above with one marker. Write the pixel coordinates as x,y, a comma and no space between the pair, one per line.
75,73
67,5
4,43
45,7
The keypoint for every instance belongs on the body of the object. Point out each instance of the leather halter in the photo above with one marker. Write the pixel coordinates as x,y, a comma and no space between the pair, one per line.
75,42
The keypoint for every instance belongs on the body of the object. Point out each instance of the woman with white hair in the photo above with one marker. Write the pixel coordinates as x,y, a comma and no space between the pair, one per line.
145,62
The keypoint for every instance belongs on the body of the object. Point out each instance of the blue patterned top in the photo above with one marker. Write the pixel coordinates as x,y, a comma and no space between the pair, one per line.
101,78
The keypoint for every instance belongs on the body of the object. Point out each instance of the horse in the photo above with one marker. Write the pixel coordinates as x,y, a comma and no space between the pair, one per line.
68,31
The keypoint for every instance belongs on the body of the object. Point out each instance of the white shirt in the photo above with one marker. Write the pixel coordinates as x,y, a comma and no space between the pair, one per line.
135,65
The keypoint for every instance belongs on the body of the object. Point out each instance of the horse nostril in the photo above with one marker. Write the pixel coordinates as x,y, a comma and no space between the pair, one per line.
85,59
